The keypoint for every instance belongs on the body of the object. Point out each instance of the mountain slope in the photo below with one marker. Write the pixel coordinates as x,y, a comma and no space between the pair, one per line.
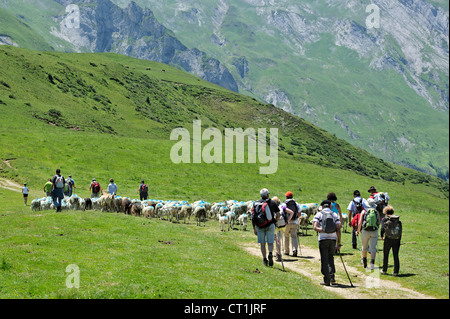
320,61
114,114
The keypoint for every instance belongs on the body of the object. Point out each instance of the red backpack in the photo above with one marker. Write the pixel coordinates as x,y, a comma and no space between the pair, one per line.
95,187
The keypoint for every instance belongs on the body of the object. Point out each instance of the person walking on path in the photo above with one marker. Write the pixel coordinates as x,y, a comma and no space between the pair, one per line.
328,225
368,228
95,188
391,234
48,187
25,191
112,187
58,183
291,224
355,208
266,233
71,183
284,215
143,191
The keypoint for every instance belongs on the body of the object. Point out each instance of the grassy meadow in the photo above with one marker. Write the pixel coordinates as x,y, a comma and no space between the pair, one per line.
107,116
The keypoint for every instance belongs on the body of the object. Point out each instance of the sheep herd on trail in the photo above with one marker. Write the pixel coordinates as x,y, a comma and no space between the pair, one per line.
229,213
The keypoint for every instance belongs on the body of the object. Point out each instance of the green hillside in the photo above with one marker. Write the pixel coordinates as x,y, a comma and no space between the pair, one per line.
109,116
82,95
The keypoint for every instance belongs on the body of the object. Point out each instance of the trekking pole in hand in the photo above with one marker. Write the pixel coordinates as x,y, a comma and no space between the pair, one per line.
340,255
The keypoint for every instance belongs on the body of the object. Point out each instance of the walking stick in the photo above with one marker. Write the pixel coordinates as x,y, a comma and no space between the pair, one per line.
340,255
281,248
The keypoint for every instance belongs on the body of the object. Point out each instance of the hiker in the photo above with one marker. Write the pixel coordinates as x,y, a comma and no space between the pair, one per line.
48,187
25,191
72,185
143,191
263,219
355,207
381,199
284,214
67,188
334,206
58,183
291,224
112,187
391,234
328,225
95,188
368,228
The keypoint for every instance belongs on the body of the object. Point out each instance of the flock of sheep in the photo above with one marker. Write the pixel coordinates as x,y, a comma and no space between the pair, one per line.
228,213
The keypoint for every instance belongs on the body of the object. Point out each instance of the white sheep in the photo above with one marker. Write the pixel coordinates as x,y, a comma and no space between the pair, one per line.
222,221
243,221
148,211
186,212
231,216
35,204
344,222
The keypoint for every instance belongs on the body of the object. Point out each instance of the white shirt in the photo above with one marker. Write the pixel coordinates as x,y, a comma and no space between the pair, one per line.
25,190
318,219
112,188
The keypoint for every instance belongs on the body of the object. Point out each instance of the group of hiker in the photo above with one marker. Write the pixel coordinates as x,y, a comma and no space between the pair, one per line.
277,222
58,187
369,219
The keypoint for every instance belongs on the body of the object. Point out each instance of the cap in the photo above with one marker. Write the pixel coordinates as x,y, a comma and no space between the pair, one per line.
264,193
289,194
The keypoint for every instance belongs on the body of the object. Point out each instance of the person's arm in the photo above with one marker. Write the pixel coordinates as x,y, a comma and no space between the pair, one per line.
317,228
360,222
291,213
350,217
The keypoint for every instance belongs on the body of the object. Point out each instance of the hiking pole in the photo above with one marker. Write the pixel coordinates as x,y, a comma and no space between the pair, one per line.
298,242
281,248
340,255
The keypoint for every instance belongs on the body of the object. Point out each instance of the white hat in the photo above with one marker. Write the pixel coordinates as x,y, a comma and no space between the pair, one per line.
264,193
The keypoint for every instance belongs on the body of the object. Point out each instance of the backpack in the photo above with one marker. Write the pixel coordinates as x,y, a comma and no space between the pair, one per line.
95,187
292,205
358,206
259,217
59,182
370,221
381,199
328,223
144,188
393,227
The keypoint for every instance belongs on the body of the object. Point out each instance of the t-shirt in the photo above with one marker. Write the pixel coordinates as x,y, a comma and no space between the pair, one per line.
352,207
112,188
318,219
48,187
25,190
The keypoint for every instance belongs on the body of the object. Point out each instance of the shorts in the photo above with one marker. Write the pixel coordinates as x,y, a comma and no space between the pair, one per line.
369,240
266,235
25,195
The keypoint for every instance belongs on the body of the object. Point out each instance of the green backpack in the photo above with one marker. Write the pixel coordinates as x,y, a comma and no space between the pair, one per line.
370,221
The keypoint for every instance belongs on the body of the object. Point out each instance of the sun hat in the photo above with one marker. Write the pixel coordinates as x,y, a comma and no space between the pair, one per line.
372,189
371,203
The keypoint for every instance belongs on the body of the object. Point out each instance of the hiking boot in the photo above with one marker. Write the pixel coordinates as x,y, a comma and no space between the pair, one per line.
333,282
270,259
323,283
294,254
278,257
265,261
372,265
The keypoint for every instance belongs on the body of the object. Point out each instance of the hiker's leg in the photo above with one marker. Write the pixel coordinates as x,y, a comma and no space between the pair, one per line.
263,250
286,239
386,248
294,237
354,242
331,251
395,251
324,263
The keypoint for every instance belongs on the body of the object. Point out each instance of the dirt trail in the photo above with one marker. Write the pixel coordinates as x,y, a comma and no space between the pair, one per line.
367,284
7,184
